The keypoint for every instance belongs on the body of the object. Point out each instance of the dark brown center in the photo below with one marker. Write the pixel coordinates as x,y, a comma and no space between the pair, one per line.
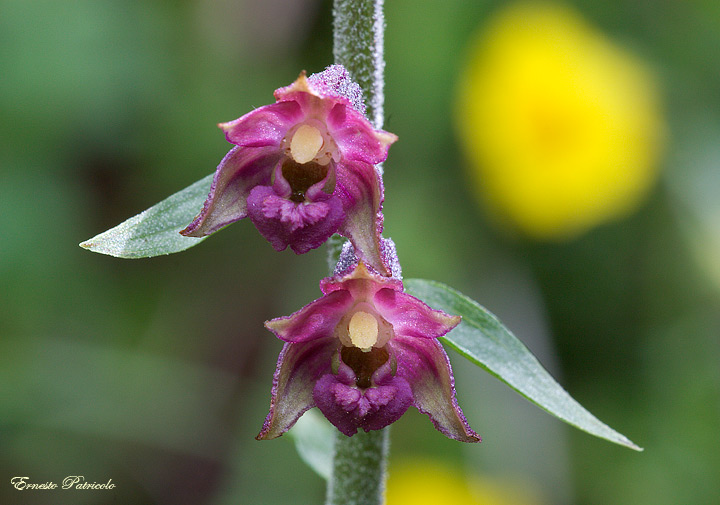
363,363
302,176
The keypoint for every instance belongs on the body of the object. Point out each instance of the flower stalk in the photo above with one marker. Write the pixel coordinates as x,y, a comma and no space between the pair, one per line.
359,466
358,41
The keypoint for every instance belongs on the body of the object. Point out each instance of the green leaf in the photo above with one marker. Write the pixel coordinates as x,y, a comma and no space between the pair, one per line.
314,440
486,342
155,231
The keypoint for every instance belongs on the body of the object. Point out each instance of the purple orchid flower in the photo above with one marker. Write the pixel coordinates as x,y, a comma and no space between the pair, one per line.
363,354
303,168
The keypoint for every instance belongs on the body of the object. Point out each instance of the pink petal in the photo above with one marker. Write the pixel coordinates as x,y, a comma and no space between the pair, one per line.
335,81
264,126
425,365
299,367
360,189
242,169
302,226
316,320
411,317
348,407
355,136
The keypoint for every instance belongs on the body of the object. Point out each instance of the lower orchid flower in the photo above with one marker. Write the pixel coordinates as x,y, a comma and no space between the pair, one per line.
363,354
303,168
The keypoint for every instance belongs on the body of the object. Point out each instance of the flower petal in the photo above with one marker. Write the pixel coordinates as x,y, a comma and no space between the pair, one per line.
298,369
355,136
360,189
302,226
411,317
316,320
291,91
359,281
325,89
335,81
264,126
239,171
425,365
392,396
348,261
348,407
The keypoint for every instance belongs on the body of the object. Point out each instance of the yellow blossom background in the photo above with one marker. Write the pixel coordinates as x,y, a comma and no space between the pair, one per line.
561,125
427,482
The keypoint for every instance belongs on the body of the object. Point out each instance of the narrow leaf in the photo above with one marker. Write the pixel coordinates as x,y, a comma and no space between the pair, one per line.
155,231
315,440
486,342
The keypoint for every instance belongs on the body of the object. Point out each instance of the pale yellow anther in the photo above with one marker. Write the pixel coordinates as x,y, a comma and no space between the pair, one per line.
363,330
306,143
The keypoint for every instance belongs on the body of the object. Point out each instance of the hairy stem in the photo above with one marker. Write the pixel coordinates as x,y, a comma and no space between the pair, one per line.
358,30
359,462
359,468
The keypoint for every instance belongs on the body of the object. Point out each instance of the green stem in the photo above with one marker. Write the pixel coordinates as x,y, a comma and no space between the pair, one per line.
359,462
358,29
359,468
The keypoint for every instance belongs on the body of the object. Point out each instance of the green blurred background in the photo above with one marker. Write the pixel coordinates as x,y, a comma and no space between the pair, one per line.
156,373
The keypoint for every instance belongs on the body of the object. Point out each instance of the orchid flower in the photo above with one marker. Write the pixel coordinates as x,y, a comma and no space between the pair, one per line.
363,354
302,169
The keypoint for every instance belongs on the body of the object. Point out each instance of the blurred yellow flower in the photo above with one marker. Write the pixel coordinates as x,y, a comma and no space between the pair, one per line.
561,127
424,482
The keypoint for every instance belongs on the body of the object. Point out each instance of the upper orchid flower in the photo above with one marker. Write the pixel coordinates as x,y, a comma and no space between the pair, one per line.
363,354
303,168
